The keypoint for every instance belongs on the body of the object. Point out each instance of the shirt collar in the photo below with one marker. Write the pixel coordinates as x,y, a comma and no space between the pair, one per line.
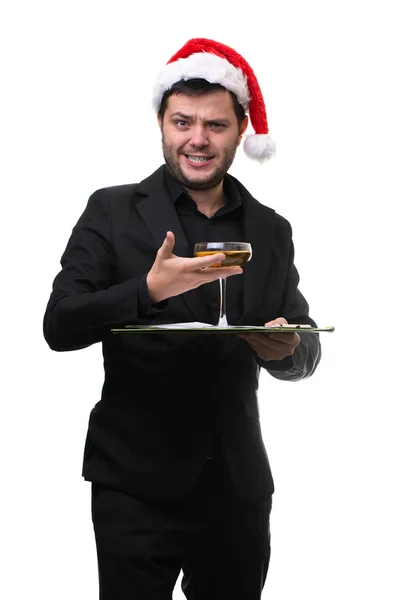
176,190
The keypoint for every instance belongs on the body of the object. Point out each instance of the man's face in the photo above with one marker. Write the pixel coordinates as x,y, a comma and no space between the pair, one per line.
200,135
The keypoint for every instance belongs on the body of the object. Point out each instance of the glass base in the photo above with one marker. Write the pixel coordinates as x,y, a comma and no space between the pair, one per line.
222,322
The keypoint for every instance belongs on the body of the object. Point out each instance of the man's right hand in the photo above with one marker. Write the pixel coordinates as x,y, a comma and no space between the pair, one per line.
172,275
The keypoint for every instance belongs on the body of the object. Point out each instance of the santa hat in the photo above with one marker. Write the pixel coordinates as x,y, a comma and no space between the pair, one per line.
205,59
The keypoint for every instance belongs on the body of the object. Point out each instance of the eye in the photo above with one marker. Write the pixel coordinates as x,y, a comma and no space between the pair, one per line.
181,123
217,126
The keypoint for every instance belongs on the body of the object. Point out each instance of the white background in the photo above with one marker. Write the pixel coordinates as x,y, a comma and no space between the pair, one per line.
76,116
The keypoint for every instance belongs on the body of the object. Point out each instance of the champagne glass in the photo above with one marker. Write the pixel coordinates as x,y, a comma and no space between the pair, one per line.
237,253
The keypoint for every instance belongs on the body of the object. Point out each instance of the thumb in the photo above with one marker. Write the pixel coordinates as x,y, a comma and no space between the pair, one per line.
168,244
278,321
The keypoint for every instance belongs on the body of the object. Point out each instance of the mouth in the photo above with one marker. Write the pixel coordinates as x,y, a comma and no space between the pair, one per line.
197,160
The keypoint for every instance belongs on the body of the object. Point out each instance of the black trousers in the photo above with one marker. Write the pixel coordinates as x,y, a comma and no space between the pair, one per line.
220,542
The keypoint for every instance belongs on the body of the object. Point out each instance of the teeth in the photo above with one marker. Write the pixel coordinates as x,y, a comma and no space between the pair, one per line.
198,159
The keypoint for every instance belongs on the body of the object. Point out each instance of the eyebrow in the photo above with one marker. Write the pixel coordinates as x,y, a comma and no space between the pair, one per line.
179,114
207,121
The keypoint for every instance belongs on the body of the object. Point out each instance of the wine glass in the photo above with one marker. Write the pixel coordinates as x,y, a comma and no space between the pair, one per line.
237,253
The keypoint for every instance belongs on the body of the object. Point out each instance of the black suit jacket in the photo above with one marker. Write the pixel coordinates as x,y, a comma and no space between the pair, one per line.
166,397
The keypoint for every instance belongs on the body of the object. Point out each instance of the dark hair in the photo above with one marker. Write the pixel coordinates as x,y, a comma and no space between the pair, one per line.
196,87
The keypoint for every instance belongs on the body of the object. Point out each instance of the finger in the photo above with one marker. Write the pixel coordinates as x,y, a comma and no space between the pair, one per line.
277,321
264,341
202,262
167,245
261,348
292,339
210,274
269,349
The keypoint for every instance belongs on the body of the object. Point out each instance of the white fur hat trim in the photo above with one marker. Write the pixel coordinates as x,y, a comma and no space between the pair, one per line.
202,65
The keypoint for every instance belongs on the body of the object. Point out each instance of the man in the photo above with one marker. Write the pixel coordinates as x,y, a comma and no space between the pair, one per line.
180,476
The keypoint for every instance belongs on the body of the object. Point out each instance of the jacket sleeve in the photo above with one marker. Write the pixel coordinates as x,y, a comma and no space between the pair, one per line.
85,302
295,309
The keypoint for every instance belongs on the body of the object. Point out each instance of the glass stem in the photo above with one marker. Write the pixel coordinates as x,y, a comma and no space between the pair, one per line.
222,322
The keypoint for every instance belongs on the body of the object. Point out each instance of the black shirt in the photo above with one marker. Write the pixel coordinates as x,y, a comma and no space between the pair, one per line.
224,226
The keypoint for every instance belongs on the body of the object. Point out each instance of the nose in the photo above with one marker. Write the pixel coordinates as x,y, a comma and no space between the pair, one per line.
199,136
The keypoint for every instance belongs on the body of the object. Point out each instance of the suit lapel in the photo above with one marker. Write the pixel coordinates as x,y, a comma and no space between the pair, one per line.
158,213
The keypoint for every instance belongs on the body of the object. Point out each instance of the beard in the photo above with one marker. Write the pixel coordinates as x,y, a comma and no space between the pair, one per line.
213,179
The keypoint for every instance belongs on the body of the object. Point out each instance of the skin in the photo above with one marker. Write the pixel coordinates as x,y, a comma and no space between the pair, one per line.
272,346
204,126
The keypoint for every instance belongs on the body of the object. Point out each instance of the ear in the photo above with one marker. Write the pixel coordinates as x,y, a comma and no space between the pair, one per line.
160,124
242,129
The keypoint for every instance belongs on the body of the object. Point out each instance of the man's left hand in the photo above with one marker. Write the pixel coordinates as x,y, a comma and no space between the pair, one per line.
272,346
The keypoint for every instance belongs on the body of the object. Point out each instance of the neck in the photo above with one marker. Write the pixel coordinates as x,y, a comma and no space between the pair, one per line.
208,201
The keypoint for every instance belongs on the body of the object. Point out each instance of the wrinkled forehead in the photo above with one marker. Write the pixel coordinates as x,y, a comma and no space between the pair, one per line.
206,106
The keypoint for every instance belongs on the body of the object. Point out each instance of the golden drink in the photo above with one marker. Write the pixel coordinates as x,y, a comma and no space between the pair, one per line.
234,258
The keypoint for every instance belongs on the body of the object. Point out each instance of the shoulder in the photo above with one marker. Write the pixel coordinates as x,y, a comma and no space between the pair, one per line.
153,182
114,192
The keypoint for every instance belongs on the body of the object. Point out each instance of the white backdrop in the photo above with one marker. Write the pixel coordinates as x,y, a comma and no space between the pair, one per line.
76,116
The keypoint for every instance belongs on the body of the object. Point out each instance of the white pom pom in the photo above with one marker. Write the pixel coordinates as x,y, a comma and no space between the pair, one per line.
259,147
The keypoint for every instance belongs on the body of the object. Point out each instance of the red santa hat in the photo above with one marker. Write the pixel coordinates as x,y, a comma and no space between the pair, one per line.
206,59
